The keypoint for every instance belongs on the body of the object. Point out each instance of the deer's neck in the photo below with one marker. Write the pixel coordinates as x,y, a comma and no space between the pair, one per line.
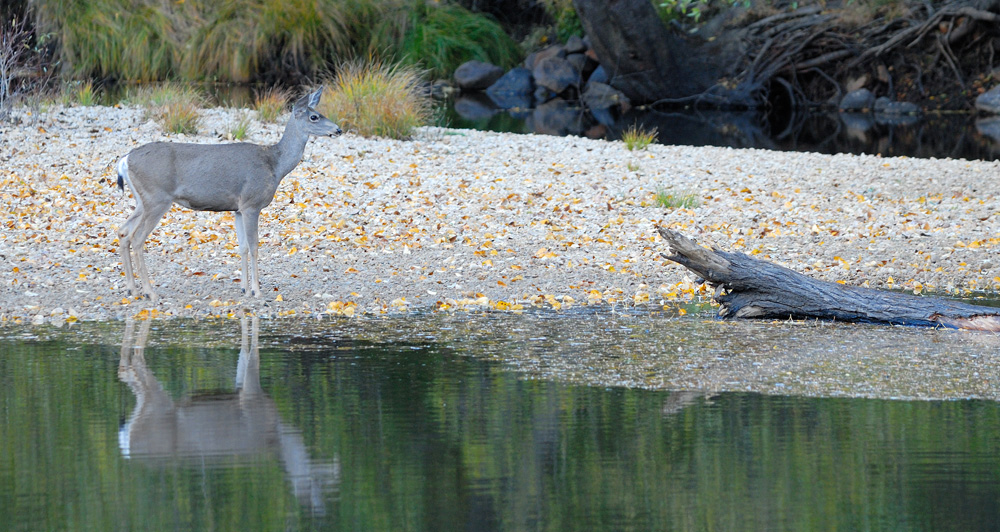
289,151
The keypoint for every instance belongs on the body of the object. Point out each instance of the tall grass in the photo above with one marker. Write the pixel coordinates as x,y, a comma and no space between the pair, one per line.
245,40
377,99
440,37
80,93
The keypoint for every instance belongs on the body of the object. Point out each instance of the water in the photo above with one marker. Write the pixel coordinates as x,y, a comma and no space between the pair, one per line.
440,423
938,135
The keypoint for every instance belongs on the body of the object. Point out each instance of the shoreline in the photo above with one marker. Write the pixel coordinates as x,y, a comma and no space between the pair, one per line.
467,219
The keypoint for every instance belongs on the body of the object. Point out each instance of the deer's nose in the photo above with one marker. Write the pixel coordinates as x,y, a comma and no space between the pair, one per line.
336,132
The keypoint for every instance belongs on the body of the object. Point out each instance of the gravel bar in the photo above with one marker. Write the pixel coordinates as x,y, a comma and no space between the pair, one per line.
461,219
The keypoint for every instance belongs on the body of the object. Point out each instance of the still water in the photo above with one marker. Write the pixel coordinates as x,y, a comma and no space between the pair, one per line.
413,424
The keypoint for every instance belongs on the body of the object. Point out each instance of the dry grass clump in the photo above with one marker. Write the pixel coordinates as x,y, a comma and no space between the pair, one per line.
174,107
270,103
375,99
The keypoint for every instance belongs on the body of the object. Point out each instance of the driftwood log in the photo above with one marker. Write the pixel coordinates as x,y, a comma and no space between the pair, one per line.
746,287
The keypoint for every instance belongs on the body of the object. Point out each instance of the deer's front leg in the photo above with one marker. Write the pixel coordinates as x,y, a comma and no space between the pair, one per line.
250,220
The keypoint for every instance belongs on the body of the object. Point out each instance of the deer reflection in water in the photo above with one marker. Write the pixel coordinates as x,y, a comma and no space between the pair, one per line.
197,429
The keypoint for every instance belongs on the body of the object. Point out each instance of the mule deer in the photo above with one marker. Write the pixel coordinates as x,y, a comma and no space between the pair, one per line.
210,429
239,177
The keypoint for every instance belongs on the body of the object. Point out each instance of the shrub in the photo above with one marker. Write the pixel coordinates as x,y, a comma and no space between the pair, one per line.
20,52
377,99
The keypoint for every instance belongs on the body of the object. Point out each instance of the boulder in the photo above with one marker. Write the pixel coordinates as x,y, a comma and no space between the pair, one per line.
989,101
556,50
603,96
575,45
513,89
578,61
857,100
555,74
599,75
477,75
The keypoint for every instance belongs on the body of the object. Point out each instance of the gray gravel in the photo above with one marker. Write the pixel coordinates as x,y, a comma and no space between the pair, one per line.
459,219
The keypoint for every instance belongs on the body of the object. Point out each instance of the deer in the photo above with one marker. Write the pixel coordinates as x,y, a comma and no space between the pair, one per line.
239,177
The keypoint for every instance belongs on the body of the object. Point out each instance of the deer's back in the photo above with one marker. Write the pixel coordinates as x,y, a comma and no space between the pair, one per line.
208,177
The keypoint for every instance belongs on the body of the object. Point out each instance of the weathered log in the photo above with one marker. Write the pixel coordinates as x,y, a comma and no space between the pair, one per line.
751,288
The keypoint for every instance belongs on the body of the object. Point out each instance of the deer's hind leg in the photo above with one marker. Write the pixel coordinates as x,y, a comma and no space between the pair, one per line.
125,233
137,240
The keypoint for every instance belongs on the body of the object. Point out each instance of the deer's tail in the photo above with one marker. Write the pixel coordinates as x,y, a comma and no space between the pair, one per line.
123,173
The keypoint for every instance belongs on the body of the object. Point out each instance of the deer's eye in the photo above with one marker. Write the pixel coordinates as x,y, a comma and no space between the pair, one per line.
314,117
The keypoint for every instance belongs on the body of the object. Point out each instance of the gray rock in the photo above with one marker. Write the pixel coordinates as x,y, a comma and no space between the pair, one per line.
989,101
599,75
579,61
477,75
513,89
515,81
575,45
556,50
603,96
858,100
555,74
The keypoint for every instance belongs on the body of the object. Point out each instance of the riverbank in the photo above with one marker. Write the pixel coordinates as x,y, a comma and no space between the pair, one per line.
459,219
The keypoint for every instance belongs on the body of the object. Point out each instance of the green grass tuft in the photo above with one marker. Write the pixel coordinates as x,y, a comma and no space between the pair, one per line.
667,200
80,93
636,138
377,99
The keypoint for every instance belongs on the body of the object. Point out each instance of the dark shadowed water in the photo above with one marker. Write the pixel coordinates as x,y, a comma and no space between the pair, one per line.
407,424
937,135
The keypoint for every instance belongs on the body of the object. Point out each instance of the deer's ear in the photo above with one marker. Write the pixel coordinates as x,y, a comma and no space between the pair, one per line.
302,103
314,97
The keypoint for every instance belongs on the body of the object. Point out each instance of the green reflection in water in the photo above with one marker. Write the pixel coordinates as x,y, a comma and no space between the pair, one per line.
409,434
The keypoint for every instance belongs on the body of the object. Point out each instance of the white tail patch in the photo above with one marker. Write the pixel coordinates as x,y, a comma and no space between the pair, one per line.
123,173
